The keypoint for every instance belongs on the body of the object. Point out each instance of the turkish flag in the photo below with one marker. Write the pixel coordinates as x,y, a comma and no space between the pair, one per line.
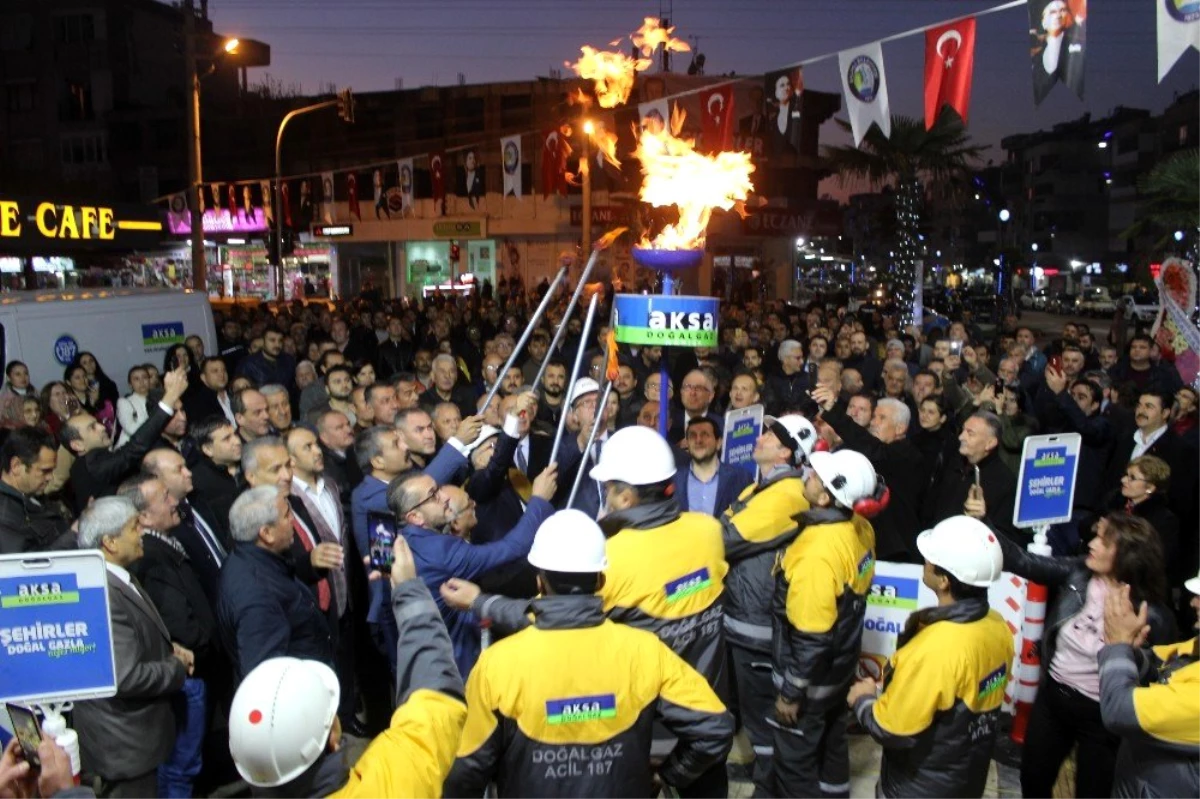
437,177
949,64
716,112
352,193
554,162
287,204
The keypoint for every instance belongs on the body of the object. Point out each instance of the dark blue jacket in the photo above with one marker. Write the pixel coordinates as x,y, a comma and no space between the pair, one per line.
368,505
440,557
730,482
264,611
263,371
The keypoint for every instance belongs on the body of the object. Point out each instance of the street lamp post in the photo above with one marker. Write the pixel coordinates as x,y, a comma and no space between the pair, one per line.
195,179
1004,283
279,185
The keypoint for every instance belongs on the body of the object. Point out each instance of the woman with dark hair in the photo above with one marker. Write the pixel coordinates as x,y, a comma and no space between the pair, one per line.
935,436
87,393
179,355
1125,551
17,389
95,375
364,373
58,405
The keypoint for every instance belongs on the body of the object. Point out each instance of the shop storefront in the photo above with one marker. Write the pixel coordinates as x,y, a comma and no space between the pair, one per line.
433,264
46,244
243,271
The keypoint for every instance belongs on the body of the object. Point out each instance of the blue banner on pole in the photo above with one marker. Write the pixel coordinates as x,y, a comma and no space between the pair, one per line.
1046,483
742,429
55,634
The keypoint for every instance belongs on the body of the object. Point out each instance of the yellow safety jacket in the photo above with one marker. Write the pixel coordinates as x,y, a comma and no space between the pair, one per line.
760,522
566,707
666,575
1159,723
822,580
941,700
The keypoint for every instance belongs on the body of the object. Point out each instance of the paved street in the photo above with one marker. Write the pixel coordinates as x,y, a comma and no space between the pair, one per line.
1050,325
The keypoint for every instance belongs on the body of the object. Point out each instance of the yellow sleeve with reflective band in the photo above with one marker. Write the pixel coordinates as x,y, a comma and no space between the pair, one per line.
920,687
769,514
683,686
481,716
813,591
1171,712
413,756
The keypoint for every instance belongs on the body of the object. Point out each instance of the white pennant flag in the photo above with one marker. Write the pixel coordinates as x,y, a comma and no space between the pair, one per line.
327,197
865,88
510,161
655,115
1178,29
404,172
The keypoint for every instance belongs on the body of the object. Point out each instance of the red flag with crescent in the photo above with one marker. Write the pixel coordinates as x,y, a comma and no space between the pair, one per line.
949,64
437,176
287,203
352,193
231,198
716,112
554,162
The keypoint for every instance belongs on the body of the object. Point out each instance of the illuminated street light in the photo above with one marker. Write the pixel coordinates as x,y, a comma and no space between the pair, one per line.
1178,235
1005,215
231,45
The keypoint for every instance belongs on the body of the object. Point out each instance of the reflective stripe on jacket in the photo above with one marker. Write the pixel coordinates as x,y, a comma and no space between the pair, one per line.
942,694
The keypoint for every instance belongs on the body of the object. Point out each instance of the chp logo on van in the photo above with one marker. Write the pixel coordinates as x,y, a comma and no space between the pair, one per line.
65,349
161,335
656,320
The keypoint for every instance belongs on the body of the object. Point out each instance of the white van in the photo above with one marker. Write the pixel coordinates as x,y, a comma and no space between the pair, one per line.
121,327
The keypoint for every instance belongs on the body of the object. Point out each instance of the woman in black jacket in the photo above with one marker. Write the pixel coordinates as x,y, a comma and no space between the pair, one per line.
1125,550
1144,494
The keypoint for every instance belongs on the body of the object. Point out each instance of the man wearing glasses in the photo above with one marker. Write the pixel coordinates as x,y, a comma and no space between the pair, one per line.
424,509
697,394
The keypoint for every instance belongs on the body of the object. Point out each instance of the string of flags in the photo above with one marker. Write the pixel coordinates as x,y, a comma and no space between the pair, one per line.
1058,52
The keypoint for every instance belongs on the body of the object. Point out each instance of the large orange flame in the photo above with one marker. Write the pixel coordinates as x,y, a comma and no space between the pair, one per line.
675,174
613,73
648,37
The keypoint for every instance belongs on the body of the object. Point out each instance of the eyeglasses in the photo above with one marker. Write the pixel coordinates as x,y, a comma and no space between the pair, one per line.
432,495
697,387
1133,478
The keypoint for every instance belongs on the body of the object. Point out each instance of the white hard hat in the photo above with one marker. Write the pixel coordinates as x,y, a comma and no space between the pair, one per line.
636,455
280,719
848,475
794,432
965,547
1193,584
583,386
569,541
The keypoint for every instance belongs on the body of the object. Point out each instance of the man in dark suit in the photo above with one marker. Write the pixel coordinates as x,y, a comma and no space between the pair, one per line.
97,470
217,472
1154,436
196,530
264,610
703,484
125,738
336,437
166,574
209,397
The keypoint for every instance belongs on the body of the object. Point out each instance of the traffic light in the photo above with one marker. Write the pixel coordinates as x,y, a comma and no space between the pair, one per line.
345,105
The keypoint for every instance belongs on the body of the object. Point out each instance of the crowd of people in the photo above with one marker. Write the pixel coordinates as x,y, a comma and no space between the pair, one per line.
361,520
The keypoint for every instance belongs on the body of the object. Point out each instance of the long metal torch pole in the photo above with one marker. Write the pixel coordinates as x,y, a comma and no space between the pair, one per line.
562,328
601,413
537,315
587,329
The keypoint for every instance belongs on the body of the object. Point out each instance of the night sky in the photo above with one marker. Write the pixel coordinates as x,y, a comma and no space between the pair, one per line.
368,44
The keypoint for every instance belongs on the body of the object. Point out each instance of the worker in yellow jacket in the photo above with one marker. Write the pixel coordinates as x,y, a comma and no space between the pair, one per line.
284,732
822,580
937,709
1151,698
567,706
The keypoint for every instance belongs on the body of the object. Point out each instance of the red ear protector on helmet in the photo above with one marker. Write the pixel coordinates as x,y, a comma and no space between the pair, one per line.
822,445
872,506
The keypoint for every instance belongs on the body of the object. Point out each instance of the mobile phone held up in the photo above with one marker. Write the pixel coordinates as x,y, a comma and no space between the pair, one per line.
1055,363
956,348
28,732
383,538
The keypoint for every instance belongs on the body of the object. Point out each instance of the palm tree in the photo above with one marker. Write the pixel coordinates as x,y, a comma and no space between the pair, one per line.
905,161
1170,199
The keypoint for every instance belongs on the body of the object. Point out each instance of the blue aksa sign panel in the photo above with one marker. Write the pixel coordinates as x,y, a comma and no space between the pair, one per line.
55,634
742,429
1046,483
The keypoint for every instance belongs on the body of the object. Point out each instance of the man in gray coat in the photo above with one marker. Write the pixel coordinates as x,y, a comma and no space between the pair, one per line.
124,739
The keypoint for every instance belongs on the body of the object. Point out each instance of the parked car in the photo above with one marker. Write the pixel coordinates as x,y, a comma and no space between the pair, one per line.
1037,300
1063,303
1095,301
1144,308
